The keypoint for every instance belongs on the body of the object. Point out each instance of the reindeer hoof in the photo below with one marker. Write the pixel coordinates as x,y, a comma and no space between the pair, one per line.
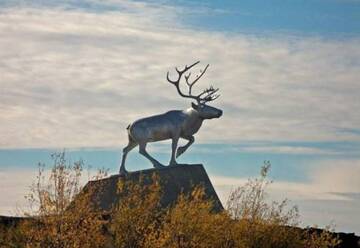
159,166
173,164
123,172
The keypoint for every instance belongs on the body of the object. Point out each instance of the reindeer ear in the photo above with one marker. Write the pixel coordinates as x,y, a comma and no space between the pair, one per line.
194,106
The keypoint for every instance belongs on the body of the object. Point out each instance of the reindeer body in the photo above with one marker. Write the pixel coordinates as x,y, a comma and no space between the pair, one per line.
172,125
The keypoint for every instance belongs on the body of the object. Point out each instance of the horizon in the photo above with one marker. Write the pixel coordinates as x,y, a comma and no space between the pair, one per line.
74,74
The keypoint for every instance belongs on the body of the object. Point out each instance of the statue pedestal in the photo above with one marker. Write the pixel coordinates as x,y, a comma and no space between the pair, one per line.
173,181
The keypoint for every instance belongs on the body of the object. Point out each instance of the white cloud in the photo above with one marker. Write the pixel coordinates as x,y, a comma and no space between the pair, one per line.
337,176
286,149
71,78
327,180
15,184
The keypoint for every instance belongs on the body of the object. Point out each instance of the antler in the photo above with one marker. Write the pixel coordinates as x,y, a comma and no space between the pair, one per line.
209,94
206,96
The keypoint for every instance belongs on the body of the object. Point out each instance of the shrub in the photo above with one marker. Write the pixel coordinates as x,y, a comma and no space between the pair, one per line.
191,223
53,221
258,222
138,215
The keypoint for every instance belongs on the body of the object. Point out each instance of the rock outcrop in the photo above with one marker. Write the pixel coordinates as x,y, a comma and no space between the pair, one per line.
174,180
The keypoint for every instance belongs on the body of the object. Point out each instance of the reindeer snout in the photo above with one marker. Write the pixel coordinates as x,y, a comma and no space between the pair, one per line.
220,113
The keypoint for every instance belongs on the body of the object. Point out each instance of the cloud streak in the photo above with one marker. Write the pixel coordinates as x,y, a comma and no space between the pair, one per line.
77,79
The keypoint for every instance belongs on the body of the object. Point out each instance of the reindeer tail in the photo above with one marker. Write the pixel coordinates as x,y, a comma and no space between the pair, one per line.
128,128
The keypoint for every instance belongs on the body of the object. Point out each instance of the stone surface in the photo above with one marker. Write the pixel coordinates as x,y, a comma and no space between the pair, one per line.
173,181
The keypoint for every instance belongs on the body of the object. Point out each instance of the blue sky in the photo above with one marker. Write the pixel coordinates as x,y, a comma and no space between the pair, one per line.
288,72
239,162
326,17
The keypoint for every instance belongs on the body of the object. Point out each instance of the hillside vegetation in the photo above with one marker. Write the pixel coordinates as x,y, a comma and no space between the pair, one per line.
249,220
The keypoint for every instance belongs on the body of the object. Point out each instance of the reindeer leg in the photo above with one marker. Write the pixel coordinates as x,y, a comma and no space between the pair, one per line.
173,150
182,149
142,151
127,149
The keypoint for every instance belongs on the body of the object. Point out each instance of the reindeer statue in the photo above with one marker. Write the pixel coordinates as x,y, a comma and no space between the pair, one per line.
174,124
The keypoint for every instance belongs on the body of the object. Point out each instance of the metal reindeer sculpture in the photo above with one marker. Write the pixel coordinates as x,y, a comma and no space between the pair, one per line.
174,124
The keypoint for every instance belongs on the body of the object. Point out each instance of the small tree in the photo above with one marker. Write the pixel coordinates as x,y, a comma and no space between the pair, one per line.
260,223
53,222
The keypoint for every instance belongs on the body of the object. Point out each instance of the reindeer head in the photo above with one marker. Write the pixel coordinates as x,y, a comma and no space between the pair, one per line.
205,111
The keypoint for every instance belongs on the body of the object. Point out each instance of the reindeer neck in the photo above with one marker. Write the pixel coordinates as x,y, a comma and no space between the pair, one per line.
192,114
193,121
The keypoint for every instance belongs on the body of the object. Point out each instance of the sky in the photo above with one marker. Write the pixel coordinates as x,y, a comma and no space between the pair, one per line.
74,74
